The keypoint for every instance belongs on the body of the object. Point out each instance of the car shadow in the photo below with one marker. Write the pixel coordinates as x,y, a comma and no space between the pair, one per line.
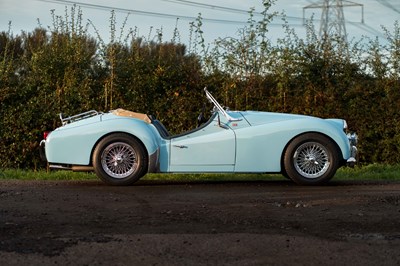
269,182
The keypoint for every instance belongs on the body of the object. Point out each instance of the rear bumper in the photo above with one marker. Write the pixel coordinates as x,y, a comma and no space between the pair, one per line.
42,151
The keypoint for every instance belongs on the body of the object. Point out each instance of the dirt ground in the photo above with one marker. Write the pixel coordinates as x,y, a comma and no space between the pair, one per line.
229,223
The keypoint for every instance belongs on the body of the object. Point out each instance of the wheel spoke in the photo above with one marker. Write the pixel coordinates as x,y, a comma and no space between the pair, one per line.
311,160
119,160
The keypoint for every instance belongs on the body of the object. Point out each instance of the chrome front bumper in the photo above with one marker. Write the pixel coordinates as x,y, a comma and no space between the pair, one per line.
353,139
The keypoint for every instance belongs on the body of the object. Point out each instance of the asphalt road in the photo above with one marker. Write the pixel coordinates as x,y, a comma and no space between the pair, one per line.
228,223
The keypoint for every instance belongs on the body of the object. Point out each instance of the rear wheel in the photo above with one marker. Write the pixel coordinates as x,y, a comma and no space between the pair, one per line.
119,159
311,159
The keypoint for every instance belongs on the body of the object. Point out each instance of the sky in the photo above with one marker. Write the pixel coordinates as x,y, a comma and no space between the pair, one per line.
221,18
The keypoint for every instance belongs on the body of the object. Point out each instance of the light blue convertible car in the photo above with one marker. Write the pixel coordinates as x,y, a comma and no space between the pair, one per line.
122,146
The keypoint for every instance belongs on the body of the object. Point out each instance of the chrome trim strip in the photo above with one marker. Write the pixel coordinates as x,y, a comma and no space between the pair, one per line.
74,168
59,167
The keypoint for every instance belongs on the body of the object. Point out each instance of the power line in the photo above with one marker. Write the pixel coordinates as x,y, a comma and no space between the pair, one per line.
367,28
223,8
187,18
148,13
118,9
215,7
388,5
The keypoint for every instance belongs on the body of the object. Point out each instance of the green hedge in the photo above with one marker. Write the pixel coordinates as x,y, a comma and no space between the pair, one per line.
64,69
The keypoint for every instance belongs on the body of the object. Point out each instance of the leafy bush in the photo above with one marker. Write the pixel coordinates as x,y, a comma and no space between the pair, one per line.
64,69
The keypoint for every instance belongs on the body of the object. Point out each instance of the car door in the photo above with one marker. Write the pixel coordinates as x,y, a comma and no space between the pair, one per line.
210,148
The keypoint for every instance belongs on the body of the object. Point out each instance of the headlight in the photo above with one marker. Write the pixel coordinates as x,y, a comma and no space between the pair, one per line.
344,126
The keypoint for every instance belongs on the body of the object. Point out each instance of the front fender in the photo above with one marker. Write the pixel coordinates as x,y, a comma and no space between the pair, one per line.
260,148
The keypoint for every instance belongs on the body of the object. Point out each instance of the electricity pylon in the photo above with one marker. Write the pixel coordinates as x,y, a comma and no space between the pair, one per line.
332,17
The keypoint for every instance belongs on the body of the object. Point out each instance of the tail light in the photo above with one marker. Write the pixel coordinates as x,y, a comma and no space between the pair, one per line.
46,134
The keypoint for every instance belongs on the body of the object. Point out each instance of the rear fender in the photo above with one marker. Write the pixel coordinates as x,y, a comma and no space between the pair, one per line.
75,144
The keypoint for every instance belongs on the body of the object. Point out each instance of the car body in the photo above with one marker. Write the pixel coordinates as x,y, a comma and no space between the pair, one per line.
121,146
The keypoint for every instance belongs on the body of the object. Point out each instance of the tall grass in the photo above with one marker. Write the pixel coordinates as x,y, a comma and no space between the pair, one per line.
370,172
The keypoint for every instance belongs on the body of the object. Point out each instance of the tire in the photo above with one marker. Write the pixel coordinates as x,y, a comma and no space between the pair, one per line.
120,159
311,159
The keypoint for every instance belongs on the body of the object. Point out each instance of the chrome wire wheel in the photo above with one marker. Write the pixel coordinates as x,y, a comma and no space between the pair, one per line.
311,160
119,160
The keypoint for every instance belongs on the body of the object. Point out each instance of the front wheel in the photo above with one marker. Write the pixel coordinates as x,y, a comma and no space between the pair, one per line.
119,159
311,159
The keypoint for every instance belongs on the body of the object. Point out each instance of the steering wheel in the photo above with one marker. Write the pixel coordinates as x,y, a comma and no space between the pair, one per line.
201,118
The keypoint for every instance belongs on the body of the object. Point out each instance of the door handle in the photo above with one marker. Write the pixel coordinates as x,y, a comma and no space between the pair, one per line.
180,146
